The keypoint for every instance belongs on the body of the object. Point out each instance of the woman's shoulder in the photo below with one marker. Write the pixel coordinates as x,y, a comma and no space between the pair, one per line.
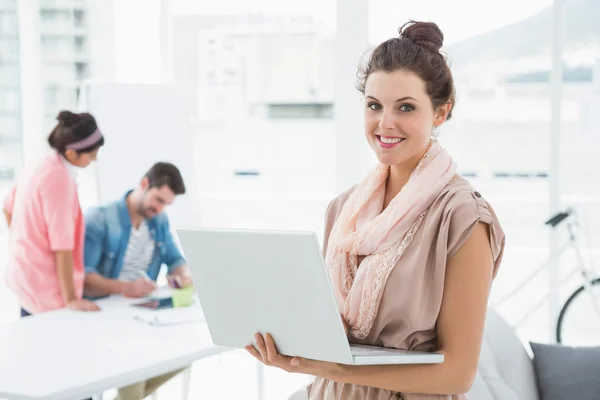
333,211
460,196
51,174
337,203
459,207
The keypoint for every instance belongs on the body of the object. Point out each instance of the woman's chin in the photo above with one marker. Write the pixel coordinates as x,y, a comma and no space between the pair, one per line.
387,159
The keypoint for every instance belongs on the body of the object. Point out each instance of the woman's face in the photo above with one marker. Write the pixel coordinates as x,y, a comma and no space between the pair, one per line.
399,117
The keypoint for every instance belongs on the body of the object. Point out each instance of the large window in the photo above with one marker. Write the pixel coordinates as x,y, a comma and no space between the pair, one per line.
10,113
10,130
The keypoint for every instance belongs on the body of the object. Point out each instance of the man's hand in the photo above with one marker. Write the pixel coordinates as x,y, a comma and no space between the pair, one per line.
139,288
179,281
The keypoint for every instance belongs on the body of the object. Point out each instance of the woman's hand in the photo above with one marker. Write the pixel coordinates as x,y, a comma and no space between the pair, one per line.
83,305
267,353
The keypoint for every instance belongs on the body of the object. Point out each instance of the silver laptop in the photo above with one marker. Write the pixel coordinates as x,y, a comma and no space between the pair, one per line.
265,281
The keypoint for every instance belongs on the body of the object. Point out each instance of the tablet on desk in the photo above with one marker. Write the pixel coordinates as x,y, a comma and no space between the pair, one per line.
156,304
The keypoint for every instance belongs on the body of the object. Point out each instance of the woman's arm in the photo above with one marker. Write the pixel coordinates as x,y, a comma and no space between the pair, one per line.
7,217
64,271
460,331
60,209
7,207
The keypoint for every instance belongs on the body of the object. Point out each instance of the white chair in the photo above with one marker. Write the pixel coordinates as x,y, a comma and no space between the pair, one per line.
505,370
299,395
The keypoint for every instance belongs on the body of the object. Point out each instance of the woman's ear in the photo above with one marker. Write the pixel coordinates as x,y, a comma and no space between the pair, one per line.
71,155
441,114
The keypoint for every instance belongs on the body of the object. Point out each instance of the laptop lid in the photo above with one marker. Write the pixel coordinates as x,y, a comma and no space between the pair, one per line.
274,282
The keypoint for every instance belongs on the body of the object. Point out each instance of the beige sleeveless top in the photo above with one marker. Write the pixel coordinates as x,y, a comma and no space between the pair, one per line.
412,297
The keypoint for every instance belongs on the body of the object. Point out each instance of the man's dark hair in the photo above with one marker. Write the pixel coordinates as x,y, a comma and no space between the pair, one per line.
163,173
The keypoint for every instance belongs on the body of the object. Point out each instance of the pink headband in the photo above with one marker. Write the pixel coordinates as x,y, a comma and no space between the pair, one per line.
86,143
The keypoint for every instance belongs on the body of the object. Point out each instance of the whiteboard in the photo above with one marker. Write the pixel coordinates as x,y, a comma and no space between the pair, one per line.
142,124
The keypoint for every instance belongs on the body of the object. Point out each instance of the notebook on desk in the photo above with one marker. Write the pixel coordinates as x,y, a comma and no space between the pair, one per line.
276,282
171,316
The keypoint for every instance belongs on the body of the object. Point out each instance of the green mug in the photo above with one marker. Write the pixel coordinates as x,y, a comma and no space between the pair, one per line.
183,297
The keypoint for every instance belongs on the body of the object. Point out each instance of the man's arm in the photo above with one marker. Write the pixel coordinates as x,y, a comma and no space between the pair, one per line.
178,273
95,235
96,285
180,277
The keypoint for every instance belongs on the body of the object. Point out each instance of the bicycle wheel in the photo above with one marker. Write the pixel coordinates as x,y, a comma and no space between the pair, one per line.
578,322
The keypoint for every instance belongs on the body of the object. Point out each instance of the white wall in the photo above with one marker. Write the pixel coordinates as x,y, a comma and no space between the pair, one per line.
126,41
354,158
33,136
142,124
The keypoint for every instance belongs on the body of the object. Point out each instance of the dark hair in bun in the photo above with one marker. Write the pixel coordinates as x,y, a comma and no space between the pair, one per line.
425,34
72,131
416,50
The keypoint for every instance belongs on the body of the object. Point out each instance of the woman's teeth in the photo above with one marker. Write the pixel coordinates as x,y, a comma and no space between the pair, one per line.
390,140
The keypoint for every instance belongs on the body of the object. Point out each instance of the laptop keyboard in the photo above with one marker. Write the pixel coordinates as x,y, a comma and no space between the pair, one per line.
363,350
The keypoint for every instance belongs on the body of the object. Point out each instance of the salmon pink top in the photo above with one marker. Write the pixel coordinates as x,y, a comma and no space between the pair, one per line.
46,218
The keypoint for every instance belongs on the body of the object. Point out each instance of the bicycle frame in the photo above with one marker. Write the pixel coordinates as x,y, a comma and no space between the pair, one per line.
582,268
587,272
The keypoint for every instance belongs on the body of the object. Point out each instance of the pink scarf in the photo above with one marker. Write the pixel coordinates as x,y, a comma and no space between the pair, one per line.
362,229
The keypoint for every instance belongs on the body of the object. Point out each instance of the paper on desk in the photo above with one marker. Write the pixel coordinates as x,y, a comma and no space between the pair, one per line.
162,292
175,316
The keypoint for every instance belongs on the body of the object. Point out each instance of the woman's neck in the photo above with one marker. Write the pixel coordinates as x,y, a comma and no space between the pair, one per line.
397,178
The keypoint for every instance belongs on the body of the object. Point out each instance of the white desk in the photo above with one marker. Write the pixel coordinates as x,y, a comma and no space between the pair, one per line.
68,355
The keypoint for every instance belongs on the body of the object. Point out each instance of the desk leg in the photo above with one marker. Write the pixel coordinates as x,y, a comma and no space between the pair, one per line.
260,380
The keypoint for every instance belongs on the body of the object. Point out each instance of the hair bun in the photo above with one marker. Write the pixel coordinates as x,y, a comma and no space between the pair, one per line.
426,34
67,118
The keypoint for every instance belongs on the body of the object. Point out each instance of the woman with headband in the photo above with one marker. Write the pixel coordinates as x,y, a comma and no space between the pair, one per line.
45,263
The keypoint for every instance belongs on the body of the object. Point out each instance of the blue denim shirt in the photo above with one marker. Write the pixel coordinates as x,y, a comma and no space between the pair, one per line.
107,230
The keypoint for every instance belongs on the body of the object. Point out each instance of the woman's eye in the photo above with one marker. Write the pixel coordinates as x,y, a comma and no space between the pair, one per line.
374,106
406,107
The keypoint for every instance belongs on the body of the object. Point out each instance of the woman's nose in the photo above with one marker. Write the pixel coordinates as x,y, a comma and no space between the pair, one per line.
386,121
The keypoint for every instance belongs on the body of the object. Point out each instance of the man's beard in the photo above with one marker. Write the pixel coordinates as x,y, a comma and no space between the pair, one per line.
145,212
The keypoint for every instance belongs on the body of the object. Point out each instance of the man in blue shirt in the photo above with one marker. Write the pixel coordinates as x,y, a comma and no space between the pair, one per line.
127,241
126,244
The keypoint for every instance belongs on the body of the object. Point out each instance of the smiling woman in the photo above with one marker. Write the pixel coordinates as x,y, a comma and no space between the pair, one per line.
412,249
409,92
